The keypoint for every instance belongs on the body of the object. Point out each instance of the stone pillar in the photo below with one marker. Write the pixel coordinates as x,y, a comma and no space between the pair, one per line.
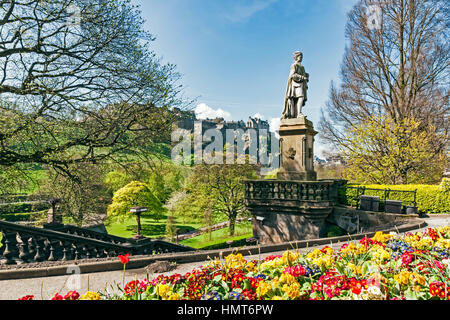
297,150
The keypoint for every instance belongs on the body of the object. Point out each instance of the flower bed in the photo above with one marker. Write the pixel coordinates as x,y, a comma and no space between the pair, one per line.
384,267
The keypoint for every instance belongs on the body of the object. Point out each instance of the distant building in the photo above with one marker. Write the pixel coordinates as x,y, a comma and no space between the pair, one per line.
188,120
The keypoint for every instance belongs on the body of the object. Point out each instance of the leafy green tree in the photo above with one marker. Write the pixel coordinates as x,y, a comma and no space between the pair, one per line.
220,187
79,83
83,201
380,150
134,194
396,66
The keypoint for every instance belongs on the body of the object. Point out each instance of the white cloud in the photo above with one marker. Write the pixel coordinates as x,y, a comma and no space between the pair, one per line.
242,12
203,111
274,124
258,115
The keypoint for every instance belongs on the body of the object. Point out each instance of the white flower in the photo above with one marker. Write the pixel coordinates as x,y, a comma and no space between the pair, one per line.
394,234
374,290
446,261
364,296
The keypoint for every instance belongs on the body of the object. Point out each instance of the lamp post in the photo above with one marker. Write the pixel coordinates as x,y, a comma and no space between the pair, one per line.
52,218
138,211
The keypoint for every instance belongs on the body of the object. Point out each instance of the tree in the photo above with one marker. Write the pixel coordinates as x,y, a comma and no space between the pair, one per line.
396,68
134,194
83,200
382,151
79,82
221,188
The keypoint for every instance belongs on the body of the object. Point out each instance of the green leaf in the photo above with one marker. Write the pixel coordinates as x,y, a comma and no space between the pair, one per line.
225,285
217,278
247,284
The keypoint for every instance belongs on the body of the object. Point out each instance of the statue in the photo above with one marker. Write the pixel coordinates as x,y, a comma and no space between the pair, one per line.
297,87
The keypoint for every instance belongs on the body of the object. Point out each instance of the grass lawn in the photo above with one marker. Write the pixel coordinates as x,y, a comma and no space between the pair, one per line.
149,227
243,230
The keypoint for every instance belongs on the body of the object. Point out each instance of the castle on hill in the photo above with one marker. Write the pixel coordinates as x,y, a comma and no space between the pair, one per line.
188,118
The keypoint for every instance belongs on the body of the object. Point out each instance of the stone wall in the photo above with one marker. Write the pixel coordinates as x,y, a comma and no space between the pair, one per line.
356,221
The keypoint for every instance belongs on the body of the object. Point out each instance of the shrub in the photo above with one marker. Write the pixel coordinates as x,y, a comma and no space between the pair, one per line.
11,208
430,198
134,194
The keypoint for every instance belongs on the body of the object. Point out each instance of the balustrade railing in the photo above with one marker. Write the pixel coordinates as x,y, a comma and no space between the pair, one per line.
290,190
23,244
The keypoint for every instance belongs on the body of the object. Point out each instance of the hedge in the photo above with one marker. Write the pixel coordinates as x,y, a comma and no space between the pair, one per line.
10,208
16,217
430,198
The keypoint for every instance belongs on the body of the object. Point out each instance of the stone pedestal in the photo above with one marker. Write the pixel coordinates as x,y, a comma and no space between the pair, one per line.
297,150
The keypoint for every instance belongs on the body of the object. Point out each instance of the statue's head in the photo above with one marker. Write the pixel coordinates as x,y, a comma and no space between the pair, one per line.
298,56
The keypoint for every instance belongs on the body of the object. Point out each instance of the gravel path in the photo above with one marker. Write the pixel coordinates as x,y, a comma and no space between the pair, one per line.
45,288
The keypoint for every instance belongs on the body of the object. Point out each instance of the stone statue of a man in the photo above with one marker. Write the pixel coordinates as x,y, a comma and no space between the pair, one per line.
296,93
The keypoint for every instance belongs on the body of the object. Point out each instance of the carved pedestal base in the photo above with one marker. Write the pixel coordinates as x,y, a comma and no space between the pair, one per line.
289,223
297,150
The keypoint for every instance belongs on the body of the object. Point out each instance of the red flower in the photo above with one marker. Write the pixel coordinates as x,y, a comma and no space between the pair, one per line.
72,295
124,259
437,289
28,297
295,271
270,258
407,258
366,241
130,287
57,296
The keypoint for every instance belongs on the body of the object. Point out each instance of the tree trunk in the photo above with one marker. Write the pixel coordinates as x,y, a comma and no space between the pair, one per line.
232,225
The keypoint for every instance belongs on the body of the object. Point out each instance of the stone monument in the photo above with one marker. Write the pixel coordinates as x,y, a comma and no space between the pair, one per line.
295,205
296,131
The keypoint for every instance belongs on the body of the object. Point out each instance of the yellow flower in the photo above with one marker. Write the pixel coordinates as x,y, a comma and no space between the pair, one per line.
277,298
314,254
287,278
403,277
173,296
329,251
325,260
263,288
251,267
355,269
382,237
163,290
352,248
213,264
379,254
289,257
292,290
443,243
418,279
235,261
90,296
275,282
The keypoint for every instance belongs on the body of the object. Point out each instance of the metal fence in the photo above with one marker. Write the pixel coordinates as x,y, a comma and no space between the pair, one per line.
353,197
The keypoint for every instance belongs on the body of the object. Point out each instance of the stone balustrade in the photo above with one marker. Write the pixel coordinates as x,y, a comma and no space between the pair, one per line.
290,210
23,244
325,190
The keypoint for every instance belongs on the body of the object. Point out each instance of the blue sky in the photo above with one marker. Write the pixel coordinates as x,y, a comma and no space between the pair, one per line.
235,55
